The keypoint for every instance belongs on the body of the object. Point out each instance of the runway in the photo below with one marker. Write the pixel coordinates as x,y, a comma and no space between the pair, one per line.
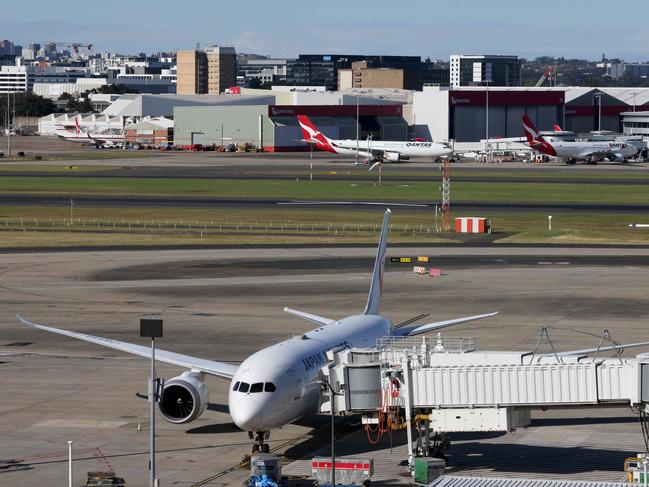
225,304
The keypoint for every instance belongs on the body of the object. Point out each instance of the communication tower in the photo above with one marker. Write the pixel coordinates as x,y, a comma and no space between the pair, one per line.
446,195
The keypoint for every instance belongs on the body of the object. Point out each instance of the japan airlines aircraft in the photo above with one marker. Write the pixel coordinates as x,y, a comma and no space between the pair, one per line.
571,151
281,383
74,134
392,151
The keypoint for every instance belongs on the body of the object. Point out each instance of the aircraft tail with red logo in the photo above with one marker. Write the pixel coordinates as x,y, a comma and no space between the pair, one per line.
534,137
77,127
313,136
557,128
536,140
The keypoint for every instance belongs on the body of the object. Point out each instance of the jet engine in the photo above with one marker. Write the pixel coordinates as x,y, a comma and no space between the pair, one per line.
391,156
183,398
618,157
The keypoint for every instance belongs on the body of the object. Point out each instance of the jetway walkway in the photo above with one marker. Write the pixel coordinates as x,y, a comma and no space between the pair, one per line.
442,385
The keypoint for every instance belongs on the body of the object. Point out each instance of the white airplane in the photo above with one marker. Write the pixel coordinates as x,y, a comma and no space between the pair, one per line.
281,383
571,151
392,151
73,135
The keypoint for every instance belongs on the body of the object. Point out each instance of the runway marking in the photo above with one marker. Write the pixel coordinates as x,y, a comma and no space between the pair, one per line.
553,263
80,423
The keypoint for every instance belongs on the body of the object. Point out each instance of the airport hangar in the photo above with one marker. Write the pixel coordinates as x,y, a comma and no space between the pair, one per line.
275,128
441,113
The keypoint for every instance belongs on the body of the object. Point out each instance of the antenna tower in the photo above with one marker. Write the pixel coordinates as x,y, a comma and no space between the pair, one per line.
446,194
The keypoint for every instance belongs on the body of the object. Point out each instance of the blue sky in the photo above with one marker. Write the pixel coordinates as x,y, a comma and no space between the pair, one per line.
570,28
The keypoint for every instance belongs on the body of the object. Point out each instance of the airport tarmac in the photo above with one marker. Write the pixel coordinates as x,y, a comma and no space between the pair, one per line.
225,304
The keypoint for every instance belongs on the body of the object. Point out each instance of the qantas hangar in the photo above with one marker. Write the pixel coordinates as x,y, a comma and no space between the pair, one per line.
463,114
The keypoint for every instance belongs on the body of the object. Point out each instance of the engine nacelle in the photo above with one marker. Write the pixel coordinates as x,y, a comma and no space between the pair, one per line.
183,398
618,157
391,156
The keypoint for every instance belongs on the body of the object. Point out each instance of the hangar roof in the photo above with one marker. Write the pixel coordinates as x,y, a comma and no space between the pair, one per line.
142,105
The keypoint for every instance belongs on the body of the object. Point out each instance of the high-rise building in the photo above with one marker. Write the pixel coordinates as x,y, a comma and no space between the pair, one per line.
208,71
483,70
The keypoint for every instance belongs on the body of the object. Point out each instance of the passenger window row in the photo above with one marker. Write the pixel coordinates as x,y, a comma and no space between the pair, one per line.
256,387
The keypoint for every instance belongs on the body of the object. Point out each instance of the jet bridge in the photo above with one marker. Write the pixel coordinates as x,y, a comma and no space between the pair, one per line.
442,384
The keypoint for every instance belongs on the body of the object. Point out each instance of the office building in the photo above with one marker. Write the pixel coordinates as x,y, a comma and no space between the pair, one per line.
322,69
483,70
362,76
208,71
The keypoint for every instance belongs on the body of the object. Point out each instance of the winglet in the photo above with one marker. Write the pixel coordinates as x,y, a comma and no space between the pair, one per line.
376,286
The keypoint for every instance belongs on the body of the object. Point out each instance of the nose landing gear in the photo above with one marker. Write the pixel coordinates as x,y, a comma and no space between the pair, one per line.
260,437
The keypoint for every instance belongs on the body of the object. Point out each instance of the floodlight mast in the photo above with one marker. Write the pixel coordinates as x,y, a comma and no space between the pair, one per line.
152,328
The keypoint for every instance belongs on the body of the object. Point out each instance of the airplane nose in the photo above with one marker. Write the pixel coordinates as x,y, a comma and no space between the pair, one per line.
247,415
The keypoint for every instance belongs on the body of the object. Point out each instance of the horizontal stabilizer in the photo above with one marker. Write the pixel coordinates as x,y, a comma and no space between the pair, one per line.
438,325
320,320
219,369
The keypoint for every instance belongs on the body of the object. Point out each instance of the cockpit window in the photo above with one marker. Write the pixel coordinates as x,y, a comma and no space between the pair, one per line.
257,387
235,387
244,387
270,387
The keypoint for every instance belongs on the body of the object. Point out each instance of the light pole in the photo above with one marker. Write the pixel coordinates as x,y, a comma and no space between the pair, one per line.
152,328
69,463
332,394
358,121
598,96
8,124
486,139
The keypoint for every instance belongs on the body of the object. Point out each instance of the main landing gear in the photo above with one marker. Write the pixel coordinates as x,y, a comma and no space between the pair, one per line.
260,437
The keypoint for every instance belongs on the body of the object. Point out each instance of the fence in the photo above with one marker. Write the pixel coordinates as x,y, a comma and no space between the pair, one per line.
202,228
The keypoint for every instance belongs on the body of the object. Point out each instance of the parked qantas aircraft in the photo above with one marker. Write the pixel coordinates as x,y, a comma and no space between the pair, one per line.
74,134
392,151
571,151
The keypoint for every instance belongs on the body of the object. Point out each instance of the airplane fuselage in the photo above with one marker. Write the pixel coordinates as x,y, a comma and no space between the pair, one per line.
293,368
404,149
579,150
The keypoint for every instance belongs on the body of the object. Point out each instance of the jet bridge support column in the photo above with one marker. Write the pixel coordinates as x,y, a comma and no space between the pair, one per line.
407,379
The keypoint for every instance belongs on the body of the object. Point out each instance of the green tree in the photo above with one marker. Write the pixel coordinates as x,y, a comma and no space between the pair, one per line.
27,104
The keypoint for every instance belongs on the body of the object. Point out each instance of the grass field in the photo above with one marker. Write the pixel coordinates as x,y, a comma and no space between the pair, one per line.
51,227
330,190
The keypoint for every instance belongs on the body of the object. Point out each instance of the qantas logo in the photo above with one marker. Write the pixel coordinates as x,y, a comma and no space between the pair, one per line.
312,134
282,111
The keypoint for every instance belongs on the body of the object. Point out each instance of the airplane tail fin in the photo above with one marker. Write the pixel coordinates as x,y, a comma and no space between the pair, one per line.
312,135
77,127
557,128
376,286
533,135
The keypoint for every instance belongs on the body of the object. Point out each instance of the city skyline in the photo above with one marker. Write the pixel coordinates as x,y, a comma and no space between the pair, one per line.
286,30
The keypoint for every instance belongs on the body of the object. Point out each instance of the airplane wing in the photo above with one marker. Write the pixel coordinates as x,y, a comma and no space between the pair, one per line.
218,369
438,325
320,320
